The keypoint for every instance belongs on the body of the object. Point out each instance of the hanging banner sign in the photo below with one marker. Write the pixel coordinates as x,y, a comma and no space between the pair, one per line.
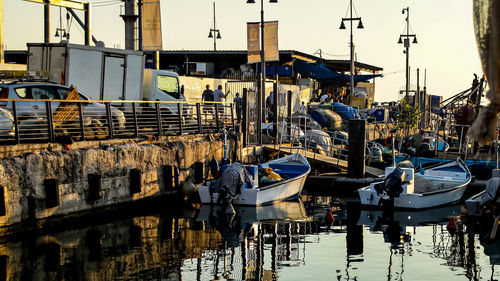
271,51
151,25
253,42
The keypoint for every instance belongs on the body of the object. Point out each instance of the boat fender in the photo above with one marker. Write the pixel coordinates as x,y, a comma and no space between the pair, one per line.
329,218
214,168
452,226
188,186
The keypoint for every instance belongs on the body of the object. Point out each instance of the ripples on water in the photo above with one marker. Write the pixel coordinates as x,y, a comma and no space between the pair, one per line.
288,241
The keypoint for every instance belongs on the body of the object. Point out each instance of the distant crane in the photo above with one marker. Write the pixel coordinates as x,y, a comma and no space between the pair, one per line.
69,5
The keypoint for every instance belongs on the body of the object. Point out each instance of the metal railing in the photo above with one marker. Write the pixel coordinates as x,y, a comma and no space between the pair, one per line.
297,134
40,121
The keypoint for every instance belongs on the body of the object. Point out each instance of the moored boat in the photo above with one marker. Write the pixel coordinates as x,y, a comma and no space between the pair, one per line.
292,169
404,188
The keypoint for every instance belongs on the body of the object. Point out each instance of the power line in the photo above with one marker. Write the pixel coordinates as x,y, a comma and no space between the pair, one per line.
102,4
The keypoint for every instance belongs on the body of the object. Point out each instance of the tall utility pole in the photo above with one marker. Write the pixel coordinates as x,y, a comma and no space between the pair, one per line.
129,18
360,26
2,58
407,37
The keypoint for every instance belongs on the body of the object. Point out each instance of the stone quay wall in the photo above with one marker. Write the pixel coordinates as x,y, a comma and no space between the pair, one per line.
48,184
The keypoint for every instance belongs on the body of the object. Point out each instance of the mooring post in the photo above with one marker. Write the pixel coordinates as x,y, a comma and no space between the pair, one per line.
244,118
356,153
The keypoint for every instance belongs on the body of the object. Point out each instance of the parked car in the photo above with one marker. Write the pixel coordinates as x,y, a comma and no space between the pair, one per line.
30,110
6,124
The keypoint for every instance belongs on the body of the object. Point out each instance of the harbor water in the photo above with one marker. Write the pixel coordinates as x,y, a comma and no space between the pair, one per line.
287,241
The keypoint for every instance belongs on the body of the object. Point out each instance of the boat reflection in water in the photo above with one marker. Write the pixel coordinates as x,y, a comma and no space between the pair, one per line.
285,241
247,235
451,241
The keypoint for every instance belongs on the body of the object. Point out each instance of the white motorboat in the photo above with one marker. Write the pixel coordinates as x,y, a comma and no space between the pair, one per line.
292,168
431,187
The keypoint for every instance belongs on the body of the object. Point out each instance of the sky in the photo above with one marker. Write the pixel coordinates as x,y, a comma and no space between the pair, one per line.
446,48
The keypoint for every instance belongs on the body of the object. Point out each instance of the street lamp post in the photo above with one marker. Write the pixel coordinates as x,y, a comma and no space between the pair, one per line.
262,92
216,32
407,37
360,26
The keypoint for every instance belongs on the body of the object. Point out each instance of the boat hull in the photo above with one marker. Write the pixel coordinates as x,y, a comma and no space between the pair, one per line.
454,175
281,191
370,197
295,167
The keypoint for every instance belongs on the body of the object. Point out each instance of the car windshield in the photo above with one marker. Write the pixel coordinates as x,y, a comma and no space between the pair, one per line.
168,84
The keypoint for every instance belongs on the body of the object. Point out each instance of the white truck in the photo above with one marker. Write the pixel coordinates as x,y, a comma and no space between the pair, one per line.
105,73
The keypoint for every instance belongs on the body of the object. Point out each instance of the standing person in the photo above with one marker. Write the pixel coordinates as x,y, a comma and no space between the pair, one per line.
238,104
218,95
302,109
208,95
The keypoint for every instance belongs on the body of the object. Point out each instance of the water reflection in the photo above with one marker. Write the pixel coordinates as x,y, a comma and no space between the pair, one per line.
325,235
251,234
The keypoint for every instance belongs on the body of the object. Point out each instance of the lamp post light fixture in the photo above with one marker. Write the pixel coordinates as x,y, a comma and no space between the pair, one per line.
216,32
405,38
360,26
262,92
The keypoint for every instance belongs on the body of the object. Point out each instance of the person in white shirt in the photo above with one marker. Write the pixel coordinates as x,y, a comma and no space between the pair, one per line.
323,98
302,109
219,94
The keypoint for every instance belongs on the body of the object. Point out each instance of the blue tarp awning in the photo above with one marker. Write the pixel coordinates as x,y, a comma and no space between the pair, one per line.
325,75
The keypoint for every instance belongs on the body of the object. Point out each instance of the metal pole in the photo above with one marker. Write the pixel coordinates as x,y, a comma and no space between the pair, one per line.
110,120
263,70
88,24
80,22
50,122
215,36
16,123
80,114
2,58
139,11
136,127
198,117
407,43
46,26
179,111
352,55
158,119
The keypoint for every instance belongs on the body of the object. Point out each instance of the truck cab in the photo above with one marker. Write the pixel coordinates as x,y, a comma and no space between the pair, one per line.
162,85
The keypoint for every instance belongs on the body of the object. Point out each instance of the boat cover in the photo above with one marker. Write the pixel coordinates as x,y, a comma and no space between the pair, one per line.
233,179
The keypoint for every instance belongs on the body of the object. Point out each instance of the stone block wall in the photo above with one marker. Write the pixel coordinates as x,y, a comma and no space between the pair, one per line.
24,178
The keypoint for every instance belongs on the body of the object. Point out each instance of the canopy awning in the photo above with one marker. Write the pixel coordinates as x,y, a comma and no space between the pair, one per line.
327,76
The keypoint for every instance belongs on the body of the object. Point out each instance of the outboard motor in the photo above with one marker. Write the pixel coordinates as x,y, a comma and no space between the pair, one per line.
391,187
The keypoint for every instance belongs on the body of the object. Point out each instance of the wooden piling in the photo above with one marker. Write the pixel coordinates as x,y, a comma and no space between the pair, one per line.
357,144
